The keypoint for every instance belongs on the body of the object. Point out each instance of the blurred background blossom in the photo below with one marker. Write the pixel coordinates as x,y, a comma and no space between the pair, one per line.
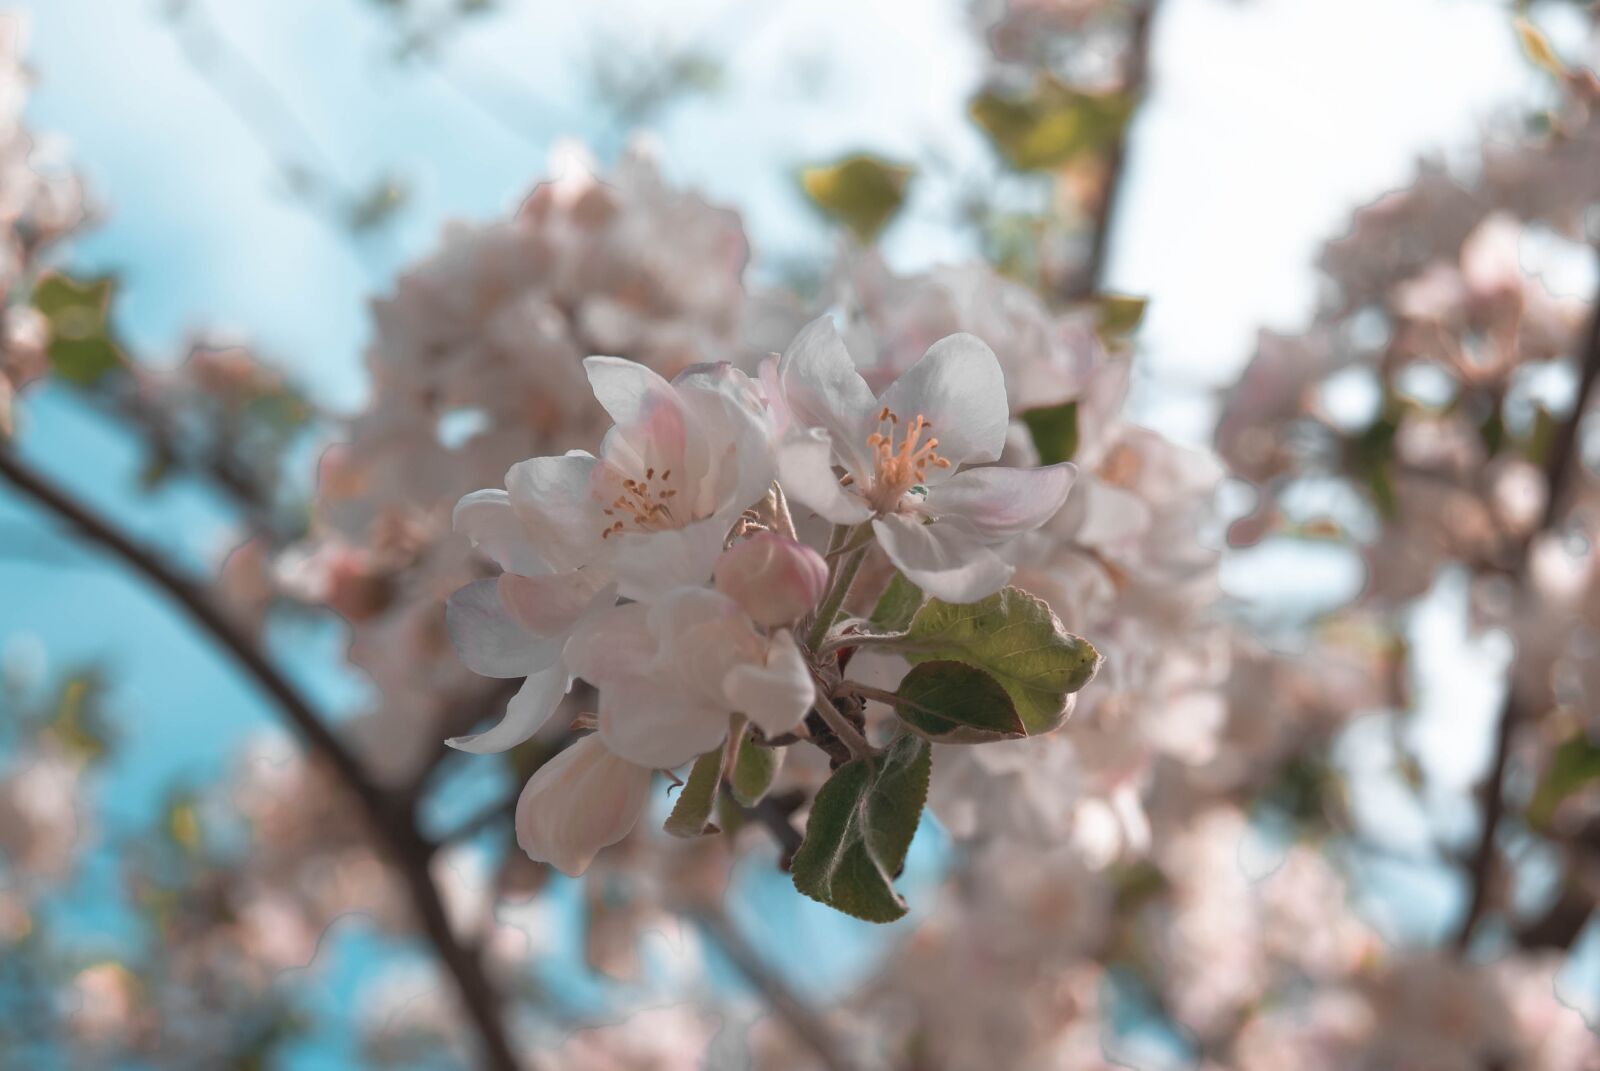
1304,287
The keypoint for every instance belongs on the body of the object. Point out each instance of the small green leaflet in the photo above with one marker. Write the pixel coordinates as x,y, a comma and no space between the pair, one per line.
691,817
1015,638
954,703
860,830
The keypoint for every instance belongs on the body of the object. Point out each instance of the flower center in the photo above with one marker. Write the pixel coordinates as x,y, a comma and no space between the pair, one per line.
643,505
899,468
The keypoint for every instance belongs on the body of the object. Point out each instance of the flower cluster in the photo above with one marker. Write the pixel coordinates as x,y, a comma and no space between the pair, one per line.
668,572
40,203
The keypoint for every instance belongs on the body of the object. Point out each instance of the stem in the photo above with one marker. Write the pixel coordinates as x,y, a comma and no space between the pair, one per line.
859,746
1135,81
896,641
1560,466
801,1019
391,819
838,590
866,691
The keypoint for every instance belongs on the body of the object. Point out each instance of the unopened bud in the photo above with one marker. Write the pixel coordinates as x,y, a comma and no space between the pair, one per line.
774,578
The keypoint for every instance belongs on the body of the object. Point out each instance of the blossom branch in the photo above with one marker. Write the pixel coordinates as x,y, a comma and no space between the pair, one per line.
841,727
1560,467
801,1019
392,819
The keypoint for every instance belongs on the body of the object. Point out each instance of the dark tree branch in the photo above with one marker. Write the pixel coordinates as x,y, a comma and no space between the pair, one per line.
1561,466
801,1019
392,819
1135,83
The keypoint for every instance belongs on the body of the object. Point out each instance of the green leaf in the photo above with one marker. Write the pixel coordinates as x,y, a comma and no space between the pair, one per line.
862,192
1120,314
897,605
1016,638
1055,431
691,817
754,770
1573,765
80,348
954,703
1051,124
860,830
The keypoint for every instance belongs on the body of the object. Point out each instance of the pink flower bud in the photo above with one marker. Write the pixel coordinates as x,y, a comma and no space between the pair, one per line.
772,577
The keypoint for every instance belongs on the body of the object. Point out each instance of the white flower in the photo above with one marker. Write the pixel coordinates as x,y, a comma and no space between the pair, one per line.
670,674
684,460
516,625
901,452
582,800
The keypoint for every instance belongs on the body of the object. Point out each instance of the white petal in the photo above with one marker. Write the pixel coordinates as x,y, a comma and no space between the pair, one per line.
525,715
942,559
549,605
582,800
805,469
658,722
629,391
610,643
1002,503
553,500
822,389
959,387
650,420
488,638
775,696
649,564
730,442
487,519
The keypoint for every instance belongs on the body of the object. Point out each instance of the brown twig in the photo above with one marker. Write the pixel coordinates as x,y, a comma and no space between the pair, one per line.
392,819
1560,467
1135,81
801,1019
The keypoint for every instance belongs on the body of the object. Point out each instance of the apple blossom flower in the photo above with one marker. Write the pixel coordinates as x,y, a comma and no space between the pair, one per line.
901,452
683,462
670,674
584,799
517,624
775,577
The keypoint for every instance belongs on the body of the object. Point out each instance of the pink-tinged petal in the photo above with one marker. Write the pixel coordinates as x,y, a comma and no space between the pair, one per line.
729,451
777,695
805,469
525,715
488,520
659,722
649,564
488,638
822,389
579,802
627,390
959,387
552,498
650,420
550,605
609,643
944,560
1002,503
